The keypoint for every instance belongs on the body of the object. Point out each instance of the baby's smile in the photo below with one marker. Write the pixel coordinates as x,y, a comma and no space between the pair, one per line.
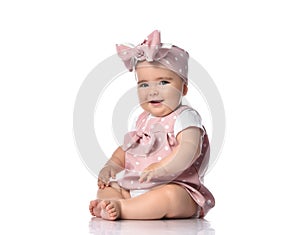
156,102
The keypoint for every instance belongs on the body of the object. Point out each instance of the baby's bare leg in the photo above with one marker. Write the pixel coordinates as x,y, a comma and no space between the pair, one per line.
114,191
168,201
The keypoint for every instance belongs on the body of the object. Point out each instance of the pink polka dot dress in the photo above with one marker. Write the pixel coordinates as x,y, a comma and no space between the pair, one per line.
154,139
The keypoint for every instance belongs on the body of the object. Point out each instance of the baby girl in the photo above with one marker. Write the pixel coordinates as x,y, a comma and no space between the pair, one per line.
165,157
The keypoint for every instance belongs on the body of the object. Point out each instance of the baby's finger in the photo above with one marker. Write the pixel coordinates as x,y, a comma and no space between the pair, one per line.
146,177
149,177
143,176
101,184
113,174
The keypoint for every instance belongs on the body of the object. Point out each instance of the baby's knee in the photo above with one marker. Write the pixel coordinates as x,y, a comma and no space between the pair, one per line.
173,191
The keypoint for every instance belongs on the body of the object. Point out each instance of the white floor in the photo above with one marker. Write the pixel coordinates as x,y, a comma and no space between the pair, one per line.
98,226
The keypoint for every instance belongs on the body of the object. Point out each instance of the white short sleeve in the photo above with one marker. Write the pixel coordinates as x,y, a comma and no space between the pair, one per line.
187,118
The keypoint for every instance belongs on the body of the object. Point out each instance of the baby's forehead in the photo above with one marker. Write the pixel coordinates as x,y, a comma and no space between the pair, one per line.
155,69
146,64
155,73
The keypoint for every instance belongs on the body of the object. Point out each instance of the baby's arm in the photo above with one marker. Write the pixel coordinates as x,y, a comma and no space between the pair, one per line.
183,156
113,166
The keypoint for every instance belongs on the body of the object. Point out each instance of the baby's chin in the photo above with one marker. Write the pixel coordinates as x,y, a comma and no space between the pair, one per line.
159,112
160,115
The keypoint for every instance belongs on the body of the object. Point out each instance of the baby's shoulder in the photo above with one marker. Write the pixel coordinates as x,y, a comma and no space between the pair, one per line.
187,117
187,112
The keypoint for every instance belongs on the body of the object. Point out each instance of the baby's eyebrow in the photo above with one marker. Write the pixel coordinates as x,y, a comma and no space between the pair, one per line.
157,79
142,81
164,78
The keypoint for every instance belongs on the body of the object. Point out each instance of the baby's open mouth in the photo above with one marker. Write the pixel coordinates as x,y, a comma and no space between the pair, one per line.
155,101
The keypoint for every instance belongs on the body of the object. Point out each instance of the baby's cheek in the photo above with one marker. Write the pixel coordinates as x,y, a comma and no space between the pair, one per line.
173,99
142,98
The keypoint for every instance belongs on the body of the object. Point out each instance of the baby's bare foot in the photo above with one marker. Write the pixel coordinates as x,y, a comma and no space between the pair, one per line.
110,210
95,208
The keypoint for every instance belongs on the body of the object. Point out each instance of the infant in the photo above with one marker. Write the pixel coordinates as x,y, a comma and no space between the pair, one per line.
165,157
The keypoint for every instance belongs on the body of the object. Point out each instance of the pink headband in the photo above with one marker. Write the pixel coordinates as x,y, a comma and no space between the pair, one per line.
172,57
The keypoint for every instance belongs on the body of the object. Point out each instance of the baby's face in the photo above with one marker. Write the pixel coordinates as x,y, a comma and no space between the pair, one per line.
160,90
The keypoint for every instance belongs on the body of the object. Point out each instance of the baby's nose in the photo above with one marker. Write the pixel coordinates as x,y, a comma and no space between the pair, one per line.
153,92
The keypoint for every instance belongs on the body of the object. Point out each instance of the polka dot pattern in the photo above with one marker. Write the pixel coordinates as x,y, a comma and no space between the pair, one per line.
172,57
163,130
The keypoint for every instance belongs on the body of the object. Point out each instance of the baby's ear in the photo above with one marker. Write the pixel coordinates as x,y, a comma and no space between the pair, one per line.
185,89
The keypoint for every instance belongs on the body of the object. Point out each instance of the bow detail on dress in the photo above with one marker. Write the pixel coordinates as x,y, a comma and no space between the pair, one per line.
151,50
140,143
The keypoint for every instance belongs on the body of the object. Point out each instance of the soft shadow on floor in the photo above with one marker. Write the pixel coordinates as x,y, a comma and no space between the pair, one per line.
97,226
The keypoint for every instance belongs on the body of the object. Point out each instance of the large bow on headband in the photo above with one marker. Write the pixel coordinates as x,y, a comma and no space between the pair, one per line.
170,56
151,50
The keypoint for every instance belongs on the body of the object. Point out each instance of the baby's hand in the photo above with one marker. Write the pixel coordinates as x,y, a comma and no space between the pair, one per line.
101,184
148,175
153,170
104,176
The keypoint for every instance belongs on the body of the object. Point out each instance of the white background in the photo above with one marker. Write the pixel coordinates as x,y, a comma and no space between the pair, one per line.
251,50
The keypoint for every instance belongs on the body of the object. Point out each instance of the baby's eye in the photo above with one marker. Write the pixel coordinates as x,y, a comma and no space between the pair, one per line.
143,85
162,83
